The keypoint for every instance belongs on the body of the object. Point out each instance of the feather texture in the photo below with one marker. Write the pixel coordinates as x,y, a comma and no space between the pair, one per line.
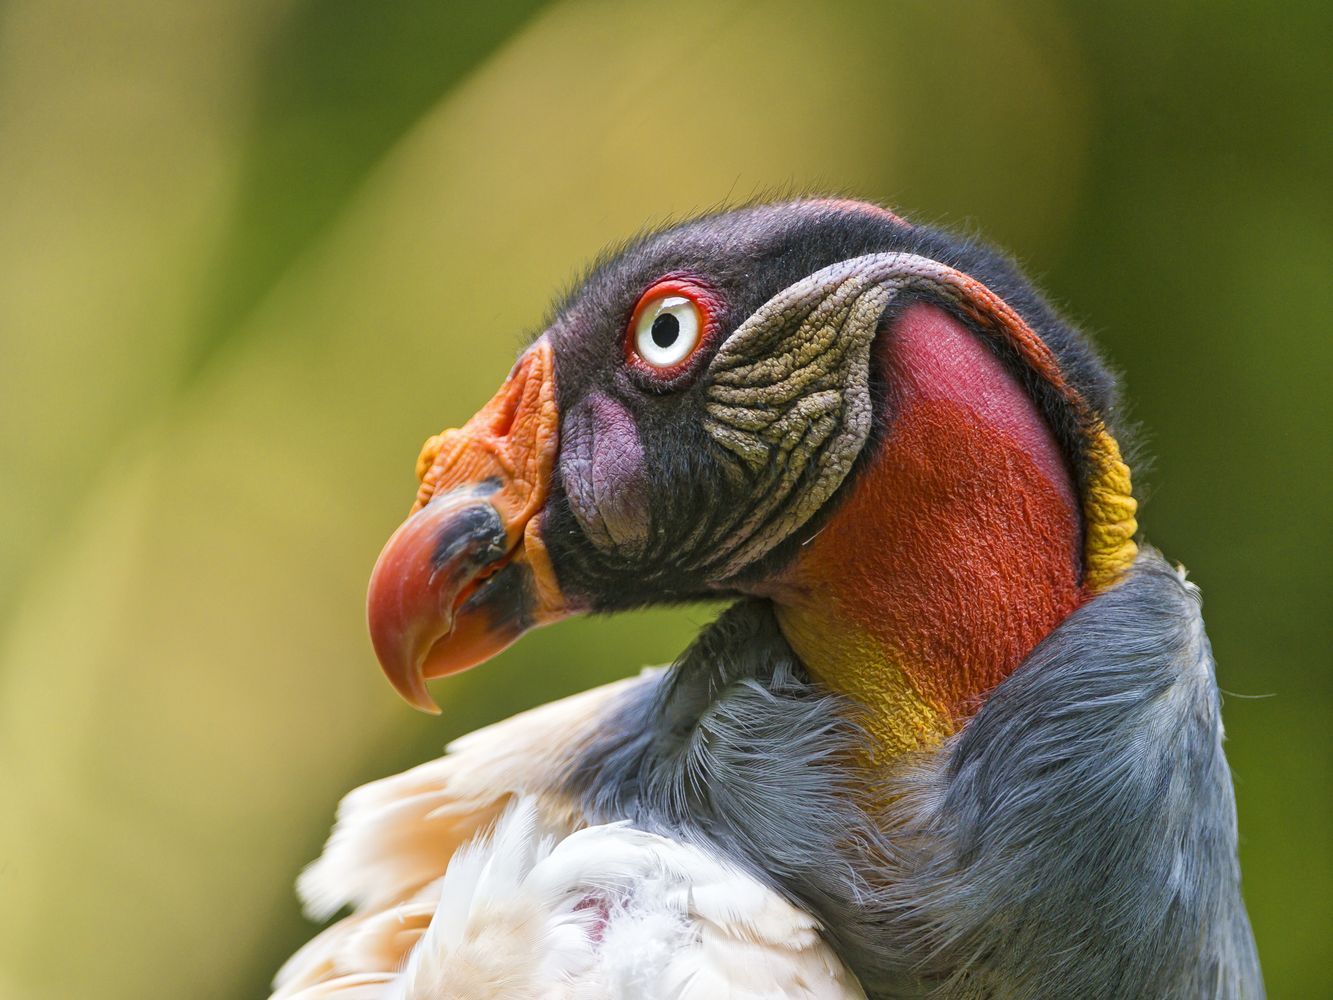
1077,838
531,911
394,837
610,911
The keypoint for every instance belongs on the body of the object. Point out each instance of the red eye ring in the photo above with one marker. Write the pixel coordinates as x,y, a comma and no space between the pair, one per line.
673,319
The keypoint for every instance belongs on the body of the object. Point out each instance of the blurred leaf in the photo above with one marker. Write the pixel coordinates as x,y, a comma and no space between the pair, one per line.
340,82
118,147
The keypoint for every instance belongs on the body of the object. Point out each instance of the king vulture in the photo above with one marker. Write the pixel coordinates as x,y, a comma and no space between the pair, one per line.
956,735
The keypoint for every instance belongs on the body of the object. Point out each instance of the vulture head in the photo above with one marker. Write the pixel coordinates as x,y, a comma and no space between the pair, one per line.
878,428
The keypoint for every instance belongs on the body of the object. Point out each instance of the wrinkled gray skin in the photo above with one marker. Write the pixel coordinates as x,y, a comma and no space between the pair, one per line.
1076,839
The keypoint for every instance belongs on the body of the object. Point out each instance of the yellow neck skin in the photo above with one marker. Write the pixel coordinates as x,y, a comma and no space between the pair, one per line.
898,718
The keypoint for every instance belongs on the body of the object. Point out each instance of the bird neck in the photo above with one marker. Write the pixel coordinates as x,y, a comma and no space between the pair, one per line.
956,550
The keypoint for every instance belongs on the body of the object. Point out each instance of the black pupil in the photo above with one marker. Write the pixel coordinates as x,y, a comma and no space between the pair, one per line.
666,328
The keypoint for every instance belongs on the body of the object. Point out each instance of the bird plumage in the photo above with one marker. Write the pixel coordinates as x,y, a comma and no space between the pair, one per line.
476,875
1006,782
610,910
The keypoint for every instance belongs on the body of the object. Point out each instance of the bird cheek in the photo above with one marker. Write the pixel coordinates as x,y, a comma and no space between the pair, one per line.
602,465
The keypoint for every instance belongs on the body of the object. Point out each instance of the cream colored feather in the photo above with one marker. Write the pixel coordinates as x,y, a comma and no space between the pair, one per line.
611,911
394,837
446,909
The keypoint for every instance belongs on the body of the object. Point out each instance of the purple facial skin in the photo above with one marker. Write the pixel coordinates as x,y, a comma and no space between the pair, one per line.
602,464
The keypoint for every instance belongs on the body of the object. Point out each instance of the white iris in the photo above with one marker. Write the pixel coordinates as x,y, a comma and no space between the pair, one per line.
667,331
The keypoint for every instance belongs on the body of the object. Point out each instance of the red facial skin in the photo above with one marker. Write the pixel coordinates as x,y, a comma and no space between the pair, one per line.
959,547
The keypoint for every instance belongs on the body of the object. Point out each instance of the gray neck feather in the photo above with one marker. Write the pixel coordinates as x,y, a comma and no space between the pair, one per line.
1076,839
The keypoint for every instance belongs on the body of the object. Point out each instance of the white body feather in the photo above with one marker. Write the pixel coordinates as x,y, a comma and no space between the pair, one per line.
468,882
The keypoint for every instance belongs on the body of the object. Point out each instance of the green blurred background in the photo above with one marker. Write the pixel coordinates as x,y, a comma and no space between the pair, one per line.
252,252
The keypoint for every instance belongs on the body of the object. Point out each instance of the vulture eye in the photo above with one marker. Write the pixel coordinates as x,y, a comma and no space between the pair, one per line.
668,325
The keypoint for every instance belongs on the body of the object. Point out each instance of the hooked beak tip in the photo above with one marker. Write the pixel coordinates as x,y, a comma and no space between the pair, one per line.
403,608
413,691
402,659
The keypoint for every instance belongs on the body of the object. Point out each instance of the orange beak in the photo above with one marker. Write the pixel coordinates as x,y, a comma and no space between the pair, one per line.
467,573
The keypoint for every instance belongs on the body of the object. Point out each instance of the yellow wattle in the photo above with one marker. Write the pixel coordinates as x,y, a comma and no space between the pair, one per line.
1109,510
